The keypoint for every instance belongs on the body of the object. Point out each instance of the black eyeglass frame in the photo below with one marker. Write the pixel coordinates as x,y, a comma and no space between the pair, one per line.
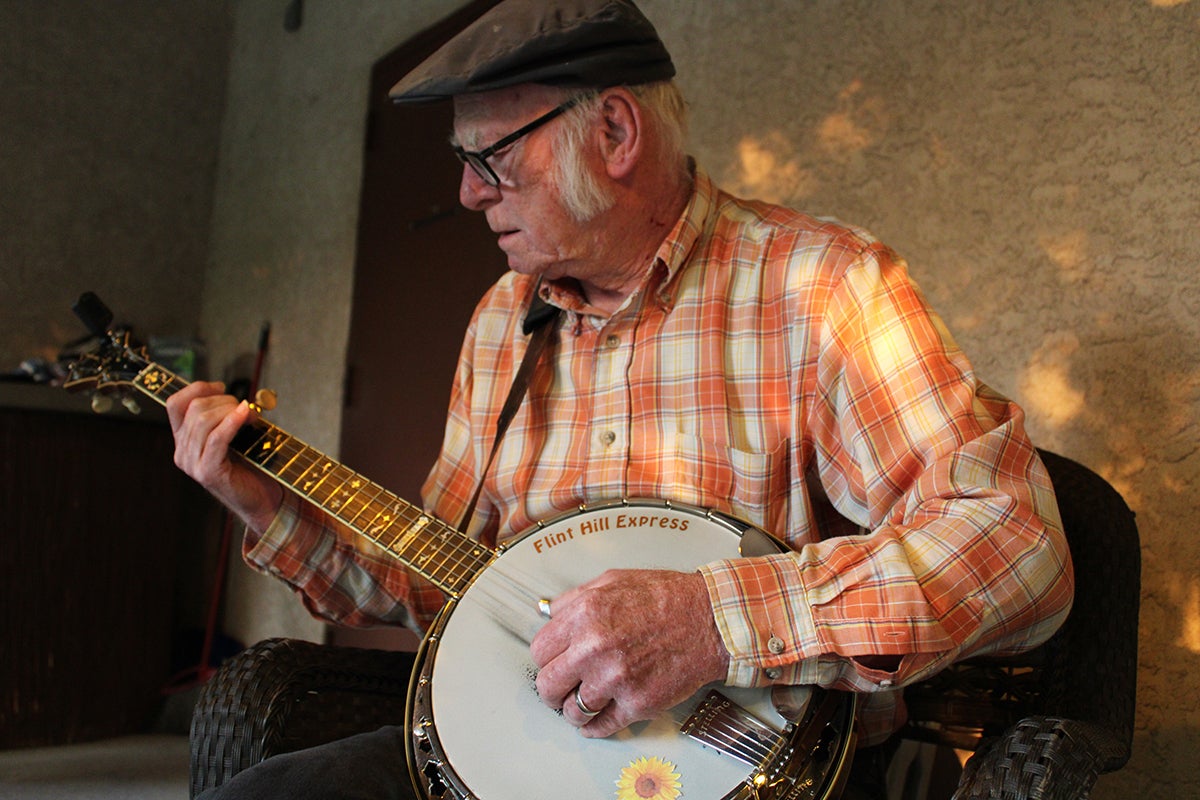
477,159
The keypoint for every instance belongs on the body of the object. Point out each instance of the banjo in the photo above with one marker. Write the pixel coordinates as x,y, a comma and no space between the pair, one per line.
483,732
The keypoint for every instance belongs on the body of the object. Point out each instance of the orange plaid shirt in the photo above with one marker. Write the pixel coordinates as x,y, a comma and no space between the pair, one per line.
782,369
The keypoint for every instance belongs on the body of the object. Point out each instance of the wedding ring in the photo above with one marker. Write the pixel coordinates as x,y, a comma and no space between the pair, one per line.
583,709
544,607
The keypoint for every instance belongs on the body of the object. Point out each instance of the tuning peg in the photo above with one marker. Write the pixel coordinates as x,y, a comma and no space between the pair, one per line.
101,403
131,405
264,400
92,312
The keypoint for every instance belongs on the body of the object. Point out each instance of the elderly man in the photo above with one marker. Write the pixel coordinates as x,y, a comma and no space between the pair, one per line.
717,352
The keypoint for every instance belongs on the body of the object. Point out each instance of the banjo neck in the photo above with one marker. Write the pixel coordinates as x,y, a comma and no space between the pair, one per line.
439,552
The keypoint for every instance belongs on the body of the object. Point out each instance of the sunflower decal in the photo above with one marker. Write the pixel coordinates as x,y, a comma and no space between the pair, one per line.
648,779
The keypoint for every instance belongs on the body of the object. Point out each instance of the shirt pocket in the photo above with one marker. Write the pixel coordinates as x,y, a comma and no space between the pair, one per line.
749,485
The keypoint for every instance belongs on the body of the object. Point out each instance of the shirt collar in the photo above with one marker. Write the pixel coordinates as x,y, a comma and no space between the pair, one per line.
675,251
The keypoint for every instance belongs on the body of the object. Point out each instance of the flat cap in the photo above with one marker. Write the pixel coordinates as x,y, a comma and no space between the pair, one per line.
590,44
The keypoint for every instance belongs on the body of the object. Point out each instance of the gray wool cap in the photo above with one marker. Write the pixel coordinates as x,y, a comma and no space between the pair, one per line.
586,44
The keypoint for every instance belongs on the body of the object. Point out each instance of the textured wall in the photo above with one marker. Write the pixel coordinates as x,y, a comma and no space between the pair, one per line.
109,122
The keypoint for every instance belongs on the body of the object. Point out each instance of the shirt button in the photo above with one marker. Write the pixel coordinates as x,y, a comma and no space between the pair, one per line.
612,342
774,673
776,645
608,437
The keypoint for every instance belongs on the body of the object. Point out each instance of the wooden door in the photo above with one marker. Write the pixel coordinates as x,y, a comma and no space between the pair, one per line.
423,262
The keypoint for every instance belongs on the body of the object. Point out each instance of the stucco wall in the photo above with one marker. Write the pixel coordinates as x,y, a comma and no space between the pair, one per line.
109,126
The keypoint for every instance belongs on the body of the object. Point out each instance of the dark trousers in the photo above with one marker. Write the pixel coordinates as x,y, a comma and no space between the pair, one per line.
369,766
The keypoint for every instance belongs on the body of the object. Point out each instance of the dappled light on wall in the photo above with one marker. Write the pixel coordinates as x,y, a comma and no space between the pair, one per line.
857,122
1051,395
840,135
768,169
1068,250
1183,591
1046,386
772,167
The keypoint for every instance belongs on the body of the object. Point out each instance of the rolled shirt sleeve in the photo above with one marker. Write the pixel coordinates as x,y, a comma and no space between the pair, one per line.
340,576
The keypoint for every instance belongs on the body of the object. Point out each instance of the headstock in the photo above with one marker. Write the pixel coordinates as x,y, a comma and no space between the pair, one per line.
109,370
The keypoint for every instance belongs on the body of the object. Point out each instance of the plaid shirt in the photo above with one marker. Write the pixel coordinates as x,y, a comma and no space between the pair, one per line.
782,369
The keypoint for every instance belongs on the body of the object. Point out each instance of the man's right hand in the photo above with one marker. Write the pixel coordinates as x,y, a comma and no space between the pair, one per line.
204,420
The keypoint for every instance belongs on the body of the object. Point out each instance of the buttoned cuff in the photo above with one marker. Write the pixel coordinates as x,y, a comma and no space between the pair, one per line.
765,622
286,534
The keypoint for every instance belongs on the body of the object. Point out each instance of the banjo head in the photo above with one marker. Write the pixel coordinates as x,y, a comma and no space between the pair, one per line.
477,726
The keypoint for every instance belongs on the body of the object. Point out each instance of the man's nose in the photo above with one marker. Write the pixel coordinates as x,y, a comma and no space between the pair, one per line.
474,192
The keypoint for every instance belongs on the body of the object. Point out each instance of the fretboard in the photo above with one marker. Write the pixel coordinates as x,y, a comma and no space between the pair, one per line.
436,550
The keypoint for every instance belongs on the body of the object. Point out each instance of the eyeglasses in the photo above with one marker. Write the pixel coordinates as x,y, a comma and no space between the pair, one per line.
477,160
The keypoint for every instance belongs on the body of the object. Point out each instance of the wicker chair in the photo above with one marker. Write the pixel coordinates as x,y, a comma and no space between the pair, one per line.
1044,725
282,695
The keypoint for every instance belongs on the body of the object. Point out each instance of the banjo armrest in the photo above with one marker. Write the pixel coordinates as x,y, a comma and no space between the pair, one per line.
282,695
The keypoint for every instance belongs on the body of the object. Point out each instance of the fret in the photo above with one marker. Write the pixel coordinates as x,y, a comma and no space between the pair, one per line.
323,480
449,556
382,521
416,516
426,558
359,502
403,539
316,476
469,559
297,466
260,444
336,492
285,453
445,561
373,509
420,550
321,489
159,383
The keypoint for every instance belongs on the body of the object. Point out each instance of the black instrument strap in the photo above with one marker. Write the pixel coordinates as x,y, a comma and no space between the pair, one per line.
537,326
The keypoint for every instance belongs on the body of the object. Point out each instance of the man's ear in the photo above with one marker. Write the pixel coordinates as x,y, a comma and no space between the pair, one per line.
621,135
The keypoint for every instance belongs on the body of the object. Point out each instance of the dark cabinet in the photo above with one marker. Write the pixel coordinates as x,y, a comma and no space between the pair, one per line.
98,529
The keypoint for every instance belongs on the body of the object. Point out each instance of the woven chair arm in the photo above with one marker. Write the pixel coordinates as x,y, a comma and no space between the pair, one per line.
282,695
1039,758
